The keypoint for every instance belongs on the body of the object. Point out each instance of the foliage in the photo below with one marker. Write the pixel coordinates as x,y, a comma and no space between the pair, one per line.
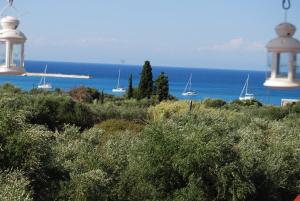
146,81
14,186
125,109
85,94
118,125
130,88
214,155
128,149
78,155
162,87
168,109
28,148
246,103
94,162
9,88
214,103
55,111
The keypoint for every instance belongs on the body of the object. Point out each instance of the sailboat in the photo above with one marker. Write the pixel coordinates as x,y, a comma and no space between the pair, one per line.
188,89
244,94
43,84
119,89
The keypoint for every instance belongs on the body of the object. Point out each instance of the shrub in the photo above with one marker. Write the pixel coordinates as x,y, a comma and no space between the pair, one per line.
85,94
214,155
125,109
14,186
55,111
186,159
9,88
28,148
94,164
168,109
246,103
214,103
117,125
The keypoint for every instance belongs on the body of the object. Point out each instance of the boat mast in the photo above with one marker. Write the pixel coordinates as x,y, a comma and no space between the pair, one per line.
187,84
241,95
43,79
119,79
190,82
247,84
45,74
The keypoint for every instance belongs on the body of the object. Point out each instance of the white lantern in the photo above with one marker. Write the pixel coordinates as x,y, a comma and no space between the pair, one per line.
11,47
283,54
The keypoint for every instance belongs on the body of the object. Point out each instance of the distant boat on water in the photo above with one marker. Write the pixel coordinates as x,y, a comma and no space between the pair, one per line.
244,94
43,84
119,89
188,88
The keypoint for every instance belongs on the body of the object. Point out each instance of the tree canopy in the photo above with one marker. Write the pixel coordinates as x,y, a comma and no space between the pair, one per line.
146,81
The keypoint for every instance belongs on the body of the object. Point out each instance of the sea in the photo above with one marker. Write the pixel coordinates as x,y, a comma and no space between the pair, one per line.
209,83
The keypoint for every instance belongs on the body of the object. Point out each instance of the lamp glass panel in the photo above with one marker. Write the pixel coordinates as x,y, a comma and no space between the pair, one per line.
17,51
297,60
283,64
269,64
2,53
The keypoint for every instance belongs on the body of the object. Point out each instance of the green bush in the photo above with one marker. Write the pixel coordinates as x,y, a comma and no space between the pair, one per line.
117,125
217,151
14,186
246,103
55,111
213,155
9,88
126,109
214,103
28,148
94,164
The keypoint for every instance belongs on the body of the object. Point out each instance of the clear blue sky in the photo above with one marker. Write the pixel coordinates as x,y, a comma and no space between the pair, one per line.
191,33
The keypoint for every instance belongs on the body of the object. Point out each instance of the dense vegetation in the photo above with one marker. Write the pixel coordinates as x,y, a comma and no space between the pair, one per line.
85,145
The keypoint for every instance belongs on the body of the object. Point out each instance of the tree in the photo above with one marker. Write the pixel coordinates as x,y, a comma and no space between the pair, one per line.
162,87
130,89
146,82
102,97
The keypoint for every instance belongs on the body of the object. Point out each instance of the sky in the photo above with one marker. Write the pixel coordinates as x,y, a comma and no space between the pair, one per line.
228,34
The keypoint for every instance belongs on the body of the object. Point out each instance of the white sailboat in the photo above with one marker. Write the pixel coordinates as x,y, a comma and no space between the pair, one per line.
119,89
244,94
43,84
188,89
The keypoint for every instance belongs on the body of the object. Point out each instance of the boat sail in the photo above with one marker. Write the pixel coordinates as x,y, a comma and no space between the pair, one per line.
119,89
188,88
43,84
244,94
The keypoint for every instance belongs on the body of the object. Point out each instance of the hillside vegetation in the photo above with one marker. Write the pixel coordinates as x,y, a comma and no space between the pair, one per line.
88,146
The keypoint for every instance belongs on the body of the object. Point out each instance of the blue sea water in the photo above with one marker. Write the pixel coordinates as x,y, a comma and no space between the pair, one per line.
209,83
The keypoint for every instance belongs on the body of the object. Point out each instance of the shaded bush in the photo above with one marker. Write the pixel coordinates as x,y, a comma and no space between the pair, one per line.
55,111
246,103
9,88
214,103
28,148
125,109
85,94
